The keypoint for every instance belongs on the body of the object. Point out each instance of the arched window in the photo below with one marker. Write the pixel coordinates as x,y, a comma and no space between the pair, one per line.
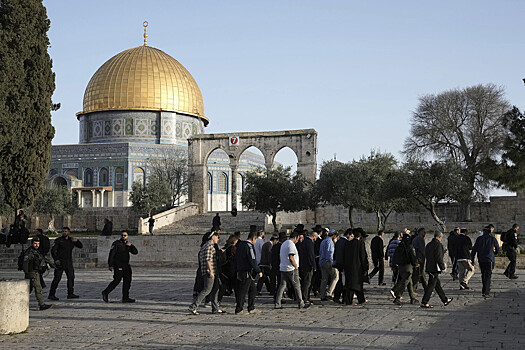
138,176
119,178
223,183
88,177
210,183
103,178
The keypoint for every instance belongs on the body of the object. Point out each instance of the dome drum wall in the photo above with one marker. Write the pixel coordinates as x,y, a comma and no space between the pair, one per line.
158,127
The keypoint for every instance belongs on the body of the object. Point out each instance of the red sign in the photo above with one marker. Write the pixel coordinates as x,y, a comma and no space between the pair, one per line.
234,141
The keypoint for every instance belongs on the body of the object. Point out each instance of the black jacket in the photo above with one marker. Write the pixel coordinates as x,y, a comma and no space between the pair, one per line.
244,258
108,229
63,248
463,247
451,244
276,256
355,264
377,247
511,238
434,252
306,255
119,254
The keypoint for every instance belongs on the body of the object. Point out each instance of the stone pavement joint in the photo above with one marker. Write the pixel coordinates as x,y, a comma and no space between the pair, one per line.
160,320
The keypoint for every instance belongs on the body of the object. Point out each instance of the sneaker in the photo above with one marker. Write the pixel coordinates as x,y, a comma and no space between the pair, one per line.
52,297
45,307
105,297
242,313
255,311
193,311
128,300
72,296
218,311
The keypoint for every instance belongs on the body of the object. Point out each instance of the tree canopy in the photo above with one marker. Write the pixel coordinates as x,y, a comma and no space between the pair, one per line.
154,195
172,168
464,125
54,200
275,190
26,86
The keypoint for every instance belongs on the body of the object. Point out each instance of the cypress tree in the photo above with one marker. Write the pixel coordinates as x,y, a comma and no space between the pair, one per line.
26,86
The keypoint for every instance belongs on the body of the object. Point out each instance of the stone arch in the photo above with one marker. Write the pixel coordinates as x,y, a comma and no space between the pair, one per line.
302,142
59,181
288,150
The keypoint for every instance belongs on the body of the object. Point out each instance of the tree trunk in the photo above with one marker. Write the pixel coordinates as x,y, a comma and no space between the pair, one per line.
350,209
441,224
51,225
466,212
379,220
385,218
274,221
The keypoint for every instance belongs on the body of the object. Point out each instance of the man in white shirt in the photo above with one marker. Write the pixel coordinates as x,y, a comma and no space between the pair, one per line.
289,268
258,246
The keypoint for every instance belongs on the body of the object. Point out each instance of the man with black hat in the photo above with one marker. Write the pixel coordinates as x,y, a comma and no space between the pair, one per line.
405,259
356,268
452,247
339,261
307,267
418,242
33,266
465,266
118,262
316,278
266,266
511,247
377,247
326,261
485,247
247,272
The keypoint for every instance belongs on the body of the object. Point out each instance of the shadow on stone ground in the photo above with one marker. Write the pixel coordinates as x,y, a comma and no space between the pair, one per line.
160,320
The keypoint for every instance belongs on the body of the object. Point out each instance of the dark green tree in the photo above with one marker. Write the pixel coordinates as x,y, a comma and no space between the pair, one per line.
465,125
509,173
153,196
275,190
54,200
26,86
342,184
430,183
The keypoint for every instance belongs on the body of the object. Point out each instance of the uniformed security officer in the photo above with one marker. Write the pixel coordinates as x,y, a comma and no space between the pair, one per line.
33,266
118,262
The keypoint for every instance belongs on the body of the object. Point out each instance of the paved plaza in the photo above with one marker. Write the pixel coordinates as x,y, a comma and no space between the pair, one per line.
160,320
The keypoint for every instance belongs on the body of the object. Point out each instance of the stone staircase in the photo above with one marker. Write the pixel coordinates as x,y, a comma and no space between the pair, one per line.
201,223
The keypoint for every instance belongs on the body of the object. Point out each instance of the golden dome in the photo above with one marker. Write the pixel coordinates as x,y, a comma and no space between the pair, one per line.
143,78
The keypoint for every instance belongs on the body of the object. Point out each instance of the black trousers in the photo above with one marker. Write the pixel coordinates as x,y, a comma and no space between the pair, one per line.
433,283
246,285
67,267
379,266
120,273
306,283
266,280
512,255
349,296
486,275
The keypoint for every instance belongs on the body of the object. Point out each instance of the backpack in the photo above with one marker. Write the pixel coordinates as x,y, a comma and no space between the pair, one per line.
506,236
21,259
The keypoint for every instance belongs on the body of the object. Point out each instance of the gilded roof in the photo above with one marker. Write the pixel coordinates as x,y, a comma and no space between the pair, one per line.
143,78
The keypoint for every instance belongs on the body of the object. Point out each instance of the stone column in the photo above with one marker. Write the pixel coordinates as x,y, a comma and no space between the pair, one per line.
79,198
102,198
93,199
233,167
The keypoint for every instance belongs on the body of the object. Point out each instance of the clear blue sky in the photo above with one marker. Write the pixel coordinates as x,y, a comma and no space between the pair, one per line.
353,70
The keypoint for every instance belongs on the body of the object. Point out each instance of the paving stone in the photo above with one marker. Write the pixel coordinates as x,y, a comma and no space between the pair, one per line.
160,320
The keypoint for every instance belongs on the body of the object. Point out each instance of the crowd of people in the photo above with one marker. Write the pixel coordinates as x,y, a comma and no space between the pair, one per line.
303,265
322,263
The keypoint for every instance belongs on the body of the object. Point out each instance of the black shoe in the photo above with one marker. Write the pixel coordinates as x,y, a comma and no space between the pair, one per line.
52,297
513,277
382,284
44,285
128,300
449,300
105,297
413,301
72,296
397,301
45,307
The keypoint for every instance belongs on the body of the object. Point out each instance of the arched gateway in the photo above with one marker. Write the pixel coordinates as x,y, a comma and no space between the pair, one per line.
302,142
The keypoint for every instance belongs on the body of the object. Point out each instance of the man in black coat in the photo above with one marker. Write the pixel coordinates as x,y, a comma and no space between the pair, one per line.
356,268
307,265
465,266
248,272
511,247
118,262
107,230
62,253
434,252
339,261
452,248
377,247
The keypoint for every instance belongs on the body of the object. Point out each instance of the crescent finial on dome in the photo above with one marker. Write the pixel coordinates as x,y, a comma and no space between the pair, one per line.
145,24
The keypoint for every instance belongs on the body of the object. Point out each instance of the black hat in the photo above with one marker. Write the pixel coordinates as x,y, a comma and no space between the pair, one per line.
361,232
282,235
318,228
299,228
35,239
274,237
